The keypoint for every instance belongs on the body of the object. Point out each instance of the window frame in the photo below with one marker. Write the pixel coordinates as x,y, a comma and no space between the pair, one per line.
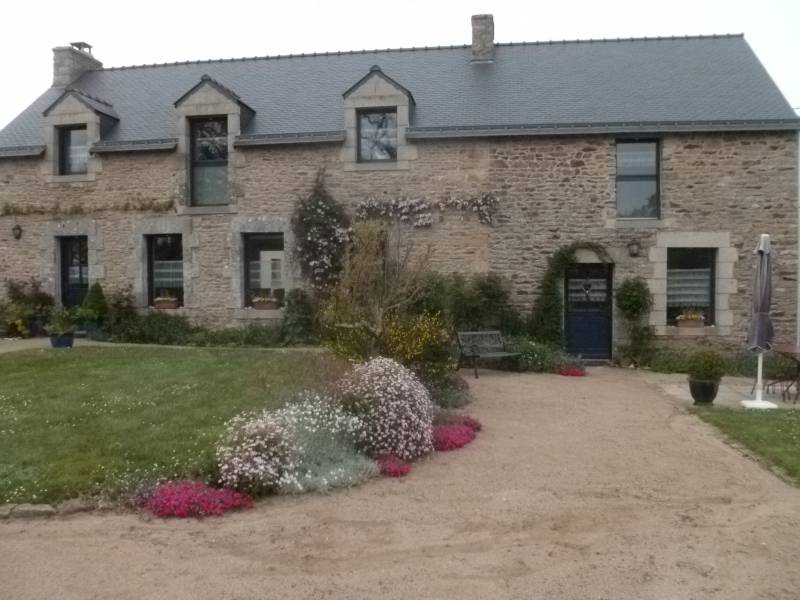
712,304
64,163
247,301
376,109
619,177
150,247
193,162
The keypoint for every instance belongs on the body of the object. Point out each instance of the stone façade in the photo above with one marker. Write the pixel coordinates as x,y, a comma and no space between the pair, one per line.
717,189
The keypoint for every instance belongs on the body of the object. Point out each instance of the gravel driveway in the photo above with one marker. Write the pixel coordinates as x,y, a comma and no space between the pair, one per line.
579,488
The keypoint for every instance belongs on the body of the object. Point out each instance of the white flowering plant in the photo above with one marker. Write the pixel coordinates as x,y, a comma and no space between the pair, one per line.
321,230
395,408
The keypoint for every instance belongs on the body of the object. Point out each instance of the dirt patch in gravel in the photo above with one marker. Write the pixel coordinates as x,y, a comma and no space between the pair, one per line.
587,488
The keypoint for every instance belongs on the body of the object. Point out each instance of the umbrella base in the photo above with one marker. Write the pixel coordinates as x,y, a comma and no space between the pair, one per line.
762,404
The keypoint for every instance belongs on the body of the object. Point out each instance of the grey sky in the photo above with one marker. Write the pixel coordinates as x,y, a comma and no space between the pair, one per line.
126,33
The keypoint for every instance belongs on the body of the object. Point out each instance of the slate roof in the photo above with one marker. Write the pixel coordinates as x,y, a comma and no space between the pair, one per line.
692,83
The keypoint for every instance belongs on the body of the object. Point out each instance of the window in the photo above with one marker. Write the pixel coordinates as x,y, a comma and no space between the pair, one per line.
73,150
209,139
690,282
74,270
264,268
165,268
637,180
377,135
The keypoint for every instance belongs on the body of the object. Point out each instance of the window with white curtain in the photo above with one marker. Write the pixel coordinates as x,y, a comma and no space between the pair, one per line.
690,282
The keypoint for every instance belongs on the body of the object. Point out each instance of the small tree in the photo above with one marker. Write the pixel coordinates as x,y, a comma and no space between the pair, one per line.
321,229
634,301
95,306
381,278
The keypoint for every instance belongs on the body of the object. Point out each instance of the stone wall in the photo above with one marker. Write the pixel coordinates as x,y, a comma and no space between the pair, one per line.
551,191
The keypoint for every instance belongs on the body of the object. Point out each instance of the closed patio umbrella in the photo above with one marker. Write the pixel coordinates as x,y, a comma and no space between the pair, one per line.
759,337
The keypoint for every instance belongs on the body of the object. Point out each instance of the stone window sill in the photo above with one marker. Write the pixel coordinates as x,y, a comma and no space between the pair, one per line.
252,314
674,330
397,165
221,209
638,223
79,178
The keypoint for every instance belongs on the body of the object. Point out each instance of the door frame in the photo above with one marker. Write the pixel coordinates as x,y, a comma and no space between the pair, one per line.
63,275
609,269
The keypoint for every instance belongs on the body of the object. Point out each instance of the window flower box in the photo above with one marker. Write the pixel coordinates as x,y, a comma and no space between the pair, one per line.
690,320
165,303
265,303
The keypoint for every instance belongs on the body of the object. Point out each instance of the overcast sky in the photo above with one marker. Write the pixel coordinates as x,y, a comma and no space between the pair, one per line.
127,33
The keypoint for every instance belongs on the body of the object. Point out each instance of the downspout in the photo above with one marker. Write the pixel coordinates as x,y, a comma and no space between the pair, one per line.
797,191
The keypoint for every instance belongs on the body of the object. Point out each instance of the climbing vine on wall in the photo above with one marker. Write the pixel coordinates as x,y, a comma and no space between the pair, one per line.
548,308
159,206
418,212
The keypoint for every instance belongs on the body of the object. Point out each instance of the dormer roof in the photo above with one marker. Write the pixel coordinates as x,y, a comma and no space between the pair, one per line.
93,103
376,71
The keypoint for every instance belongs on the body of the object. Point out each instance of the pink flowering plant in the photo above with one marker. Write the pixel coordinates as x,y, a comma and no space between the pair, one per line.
451,437
393,466
394,406
184,499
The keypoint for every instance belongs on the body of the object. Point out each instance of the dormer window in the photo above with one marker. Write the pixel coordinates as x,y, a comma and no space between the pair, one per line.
73,150
377,135
209,161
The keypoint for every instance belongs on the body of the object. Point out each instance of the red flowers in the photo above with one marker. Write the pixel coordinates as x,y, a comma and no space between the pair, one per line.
451,437
571,371
393,466
193,499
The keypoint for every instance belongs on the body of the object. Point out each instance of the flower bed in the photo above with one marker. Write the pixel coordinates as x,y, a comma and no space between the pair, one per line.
193,499
393,466
451,437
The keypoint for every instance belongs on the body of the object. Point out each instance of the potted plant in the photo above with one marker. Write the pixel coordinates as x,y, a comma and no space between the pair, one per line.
690,318
61,328
265,302
165,302
706,369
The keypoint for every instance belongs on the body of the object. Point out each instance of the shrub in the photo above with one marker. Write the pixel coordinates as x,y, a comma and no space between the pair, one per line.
256,453
395,407
536,357
193,499
706,365
633,298
449,392
422,343
321,229
393,466
451,437
121,309
298,318
95,306
154,328
634,301
27,308
61,322
324,438
448,418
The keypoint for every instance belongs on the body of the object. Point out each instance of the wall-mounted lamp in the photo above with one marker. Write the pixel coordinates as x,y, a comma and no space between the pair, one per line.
16,231
634,248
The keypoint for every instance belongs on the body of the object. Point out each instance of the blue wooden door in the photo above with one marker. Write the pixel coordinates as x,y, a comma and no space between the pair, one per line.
587,306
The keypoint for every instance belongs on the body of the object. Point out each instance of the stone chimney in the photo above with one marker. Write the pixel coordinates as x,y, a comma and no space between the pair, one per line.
70,62
482,38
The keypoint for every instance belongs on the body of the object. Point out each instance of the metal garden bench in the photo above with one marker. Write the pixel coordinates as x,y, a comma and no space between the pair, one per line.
482,344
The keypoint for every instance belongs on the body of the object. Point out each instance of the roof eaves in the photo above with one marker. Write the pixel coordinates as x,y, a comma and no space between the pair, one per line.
430,133
274,139
21,151
134,145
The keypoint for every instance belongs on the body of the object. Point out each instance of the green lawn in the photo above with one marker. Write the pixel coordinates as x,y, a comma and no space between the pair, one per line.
772,434
98,419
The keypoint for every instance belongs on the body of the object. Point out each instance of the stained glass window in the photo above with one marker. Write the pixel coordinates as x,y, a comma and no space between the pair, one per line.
209,161
377,135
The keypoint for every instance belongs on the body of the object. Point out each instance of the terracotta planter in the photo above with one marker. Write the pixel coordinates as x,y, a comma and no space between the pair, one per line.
265,304
690,323
165,303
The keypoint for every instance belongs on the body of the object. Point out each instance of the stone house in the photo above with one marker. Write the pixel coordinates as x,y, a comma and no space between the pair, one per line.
179,180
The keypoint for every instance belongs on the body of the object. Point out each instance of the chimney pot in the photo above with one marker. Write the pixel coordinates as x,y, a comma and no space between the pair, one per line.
70,62
482,38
